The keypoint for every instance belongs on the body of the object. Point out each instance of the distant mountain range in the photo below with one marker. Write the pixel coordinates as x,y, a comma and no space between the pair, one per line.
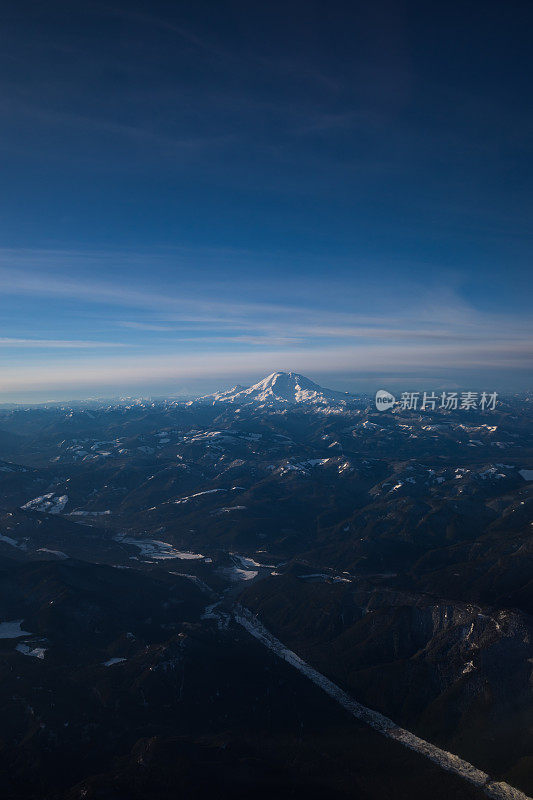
277,390
326,556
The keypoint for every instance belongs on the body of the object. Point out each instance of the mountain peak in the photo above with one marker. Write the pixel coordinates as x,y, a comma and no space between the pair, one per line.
278,390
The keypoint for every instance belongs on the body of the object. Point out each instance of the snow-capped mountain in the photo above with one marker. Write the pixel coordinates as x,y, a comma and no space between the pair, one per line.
280,389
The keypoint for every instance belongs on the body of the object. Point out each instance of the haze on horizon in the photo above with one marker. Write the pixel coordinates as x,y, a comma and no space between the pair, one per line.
197,195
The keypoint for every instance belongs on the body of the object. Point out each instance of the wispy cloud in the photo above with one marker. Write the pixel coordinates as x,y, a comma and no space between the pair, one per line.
56,344
170,328
142,135
134,371
319,310
146,326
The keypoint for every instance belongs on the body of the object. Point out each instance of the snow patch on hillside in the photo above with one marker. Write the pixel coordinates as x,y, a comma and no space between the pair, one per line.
380,723
28,650
48,503
12,630
156,550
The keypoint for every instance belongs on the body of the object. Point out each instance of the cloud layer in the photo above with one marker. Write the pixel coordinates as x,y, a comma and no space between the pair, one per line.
125,332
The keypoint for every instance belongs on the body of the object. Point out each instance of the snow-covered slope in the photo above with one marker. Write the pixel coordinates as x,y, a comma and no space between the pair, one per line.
279,390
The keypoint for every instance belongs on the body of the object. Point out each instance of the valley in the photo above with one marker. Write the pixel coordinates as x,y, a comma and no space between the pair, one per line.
391,552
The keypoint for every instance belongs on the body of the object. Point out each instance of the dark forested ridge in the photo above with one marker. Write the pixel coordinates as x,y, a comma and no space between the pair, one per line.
392,551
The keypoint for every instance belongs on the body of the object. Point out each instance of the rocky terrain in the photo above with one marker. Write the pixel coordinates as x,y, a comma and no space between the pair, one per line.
392,551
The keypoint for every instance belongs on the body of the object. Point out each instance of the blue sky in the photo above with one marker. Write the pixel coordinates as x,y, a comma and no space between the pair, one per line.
195,195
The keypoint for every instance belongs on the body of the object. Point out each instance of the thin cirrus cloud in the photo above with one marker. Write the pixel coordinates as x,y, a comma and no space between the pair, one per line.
173,330
54,344
191,307
354,296
135,371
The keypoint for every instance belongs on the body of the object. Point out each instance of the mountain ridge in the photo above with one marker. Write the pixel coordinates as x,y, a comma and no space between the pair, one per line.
279,389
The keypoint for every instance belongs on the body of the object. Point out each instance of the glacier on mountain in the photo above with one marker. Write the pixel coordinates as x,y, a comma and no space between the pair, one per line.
278,390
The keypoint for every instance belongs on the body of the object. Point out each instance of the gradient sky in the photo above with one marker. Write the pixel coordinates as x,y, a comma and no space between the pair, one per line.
196,194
